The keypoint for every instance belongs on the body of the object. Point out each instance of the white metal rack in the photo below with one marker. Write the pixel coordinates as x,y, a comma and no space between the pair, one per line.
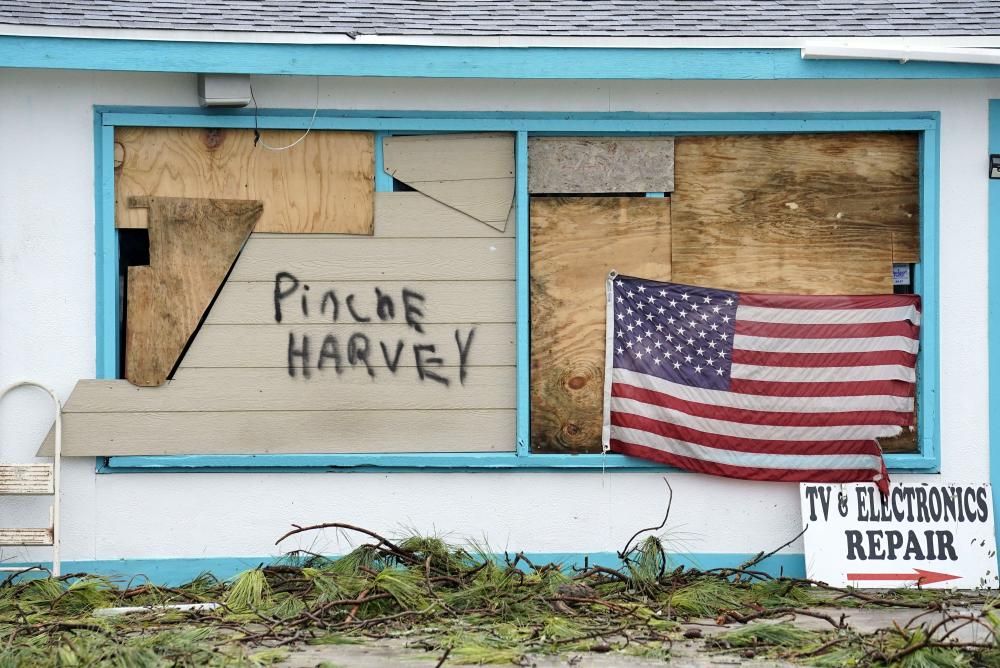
37,480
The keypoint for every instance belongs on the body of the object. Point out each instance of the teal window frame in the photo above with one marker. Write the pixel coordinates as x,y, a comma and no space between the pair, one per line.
522,124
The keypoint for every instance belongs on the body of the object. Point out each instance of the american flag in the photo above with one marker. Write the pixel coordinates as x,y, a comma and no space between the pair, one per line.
763,387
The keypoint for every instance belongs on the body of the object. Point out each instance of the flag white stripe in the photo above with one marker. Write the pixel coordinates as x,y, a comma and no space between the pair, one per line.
746,459
861,345
828,316
823,374
756,431
755,402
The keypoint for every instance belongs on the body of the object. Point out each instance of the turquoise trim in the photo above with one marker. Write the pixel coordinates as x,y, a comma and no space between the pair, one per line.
993,310
358,60
926,275
522,235
383,182
106,252
172,572
439,462
926,282
556,123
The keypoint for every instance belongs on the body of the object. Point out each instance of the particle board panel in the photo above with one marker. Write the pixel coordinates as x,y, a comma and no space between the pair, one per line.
252,303
26,479
192,245
473,173
239,390
794,212
337,259
324,184
284,432
566,165
575,243
266,346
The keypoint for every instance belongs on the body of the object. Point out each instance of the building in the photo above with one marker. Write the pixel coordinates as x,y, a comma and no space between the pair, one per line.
809,146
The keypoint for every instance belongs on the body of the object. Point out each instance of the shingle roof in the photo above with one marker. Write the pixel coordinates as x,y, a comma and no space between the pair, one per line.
564,18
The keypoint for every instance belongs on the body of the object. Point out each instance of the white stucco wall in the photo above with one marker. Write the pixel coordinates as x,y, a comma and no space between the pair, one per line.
47,312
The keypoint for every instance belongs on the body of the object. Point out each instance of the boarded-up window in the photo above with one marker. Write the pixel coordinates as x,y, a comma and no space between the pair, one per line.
801,214
327,336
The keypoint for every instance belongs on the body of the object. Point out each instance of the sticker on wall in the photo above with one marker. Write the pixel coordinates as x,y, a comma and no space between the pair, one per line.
934,536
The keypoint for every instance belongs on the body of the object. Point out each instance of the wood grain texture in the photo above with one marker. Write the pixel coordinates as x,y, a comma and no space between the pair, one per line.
472,173
26,479
575,243
192,245
251,303
284,432
337,259
781,256
324,184
822,214
566,165
272,389
795,213
266,346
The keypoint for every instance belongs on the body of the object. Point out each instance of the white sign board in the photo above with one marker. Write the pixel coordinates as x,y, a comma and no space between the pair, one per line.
937,536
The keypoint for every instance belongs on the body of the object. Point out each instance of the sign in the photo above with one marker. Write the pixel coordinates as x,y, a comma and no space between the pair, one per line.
937,536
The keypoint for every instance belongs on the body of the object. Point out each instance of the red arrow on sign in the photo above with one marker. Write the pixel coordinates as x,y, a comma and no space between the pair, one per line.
918,575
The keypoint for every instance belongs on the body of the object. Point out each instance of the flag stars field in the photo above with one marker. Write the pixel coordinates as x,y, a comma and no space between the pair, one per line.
770,387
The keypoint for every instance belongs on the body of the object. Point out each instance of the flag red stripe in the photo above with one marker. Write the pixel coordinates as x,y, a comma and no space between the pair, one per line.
765,358
828,301
827,331
743,472
893,388
773,418
737,444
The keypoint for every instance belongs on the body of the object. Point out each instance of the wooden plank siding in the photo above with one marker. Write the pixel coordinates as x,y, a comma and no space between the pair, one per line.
471,172
324,184
588,165
292,432
576,241
360,387
225,390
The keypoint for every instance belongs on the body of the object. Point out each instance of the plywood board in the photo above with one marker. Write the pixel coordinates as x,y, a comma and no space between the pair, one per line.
284,432
266,346
323,184
566,165
575,243
252,303
795,213
272,389
192,246
473,173
784,256
333,259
